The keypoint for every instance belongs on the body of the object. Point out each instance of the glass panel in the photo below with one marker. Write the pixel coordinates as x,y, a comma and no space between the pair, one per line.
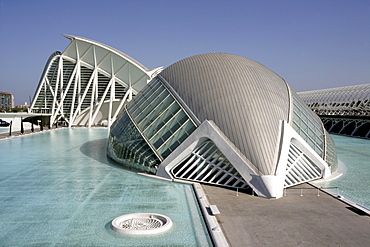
127,146
160,118
307,125
155,113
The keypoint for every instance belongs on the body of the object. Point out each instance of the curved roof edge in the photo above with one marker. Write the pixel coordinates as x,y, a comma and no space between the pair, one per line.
351,87
46,67
119,53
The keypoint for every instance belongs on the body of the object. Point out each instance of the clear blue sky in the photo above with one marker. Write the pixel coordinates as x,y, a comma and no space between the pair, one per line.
312,44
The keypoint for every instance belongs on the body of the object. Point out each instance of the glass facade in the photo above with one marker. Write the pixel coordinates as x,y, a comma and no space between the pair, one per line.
128,147
160,118
79,84
309,126
331,154
44,102
151,127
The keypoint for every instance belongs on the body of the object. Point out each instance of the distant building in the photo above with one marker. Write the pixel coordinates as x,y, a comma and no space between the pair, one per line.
340,101
6,100
22,106
343,110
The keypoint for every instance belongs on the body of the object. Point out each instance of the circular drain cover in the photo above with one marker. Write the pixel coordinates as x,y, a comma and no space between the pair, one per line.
141,223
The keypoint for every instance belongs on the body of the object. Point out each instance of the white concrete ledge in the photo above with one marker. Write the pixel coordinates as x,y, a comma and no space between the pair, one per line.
214,228
215,231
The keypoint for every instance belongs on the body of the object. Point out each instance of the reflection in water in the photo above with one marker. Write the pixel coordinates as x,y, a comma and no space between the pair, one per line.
354,184
58,188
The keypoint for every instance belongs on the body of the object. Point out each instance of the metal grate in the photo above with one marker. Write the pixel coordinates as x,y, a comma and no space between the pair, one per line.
141,224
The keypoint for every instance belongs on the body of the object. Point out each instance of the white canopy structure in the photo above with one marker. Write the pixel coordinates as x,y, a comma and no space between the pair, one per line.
88,83
350,100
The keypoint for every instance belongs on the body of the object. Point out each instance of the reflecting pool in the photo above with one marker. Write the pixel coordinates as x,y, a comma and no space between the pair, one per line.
354,184
58,188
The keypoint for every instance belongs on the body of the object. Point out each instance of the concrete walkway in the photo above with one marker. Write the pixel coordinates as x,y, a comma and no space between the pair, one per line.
293,220
17,133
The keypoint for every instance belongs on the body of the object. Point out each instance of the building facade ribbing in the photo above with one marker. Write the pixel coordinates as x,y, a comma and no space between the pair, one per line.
226,120
343,110
88,83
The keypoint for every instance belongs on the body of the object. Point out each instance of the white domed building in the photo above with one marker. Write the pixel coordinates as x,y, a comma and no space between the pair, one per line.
225,120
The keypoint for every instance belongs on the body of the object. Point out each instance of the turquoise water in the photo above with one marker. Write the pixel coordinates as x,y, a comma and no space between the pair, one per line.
354,184
57,188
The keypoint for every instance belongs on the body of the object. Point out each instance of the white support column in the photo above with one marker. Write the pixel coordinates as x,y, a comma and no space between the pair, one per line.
58,81
78,81
101,101
129,84
44,95
92,101
89,84
79,88
60,108
61,81
123,100
112,93
74,94
94,89
77,78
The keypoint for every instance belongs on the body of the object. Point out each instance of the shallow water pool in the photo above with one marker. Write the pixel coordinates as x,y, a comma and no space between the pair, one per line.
58,188
354,184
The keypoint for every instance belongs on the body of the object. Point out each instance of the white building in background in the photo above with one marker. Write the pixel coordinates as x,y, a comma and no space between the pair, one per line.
343,110
340,101
88,83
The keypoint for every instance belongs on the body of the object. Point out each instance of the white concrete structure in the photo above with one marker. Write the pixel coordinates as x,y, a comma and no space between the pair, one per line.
88,83
16,119
225,120
340,101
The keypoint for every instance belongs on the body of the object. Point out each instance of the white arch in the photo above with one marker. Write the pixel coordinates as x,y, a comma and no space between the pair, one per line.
88,83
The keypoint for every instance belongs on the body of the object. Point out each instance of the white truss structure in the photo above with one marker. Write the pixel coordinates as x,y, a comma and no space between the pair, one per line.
207,164
88,83
351,100
300,168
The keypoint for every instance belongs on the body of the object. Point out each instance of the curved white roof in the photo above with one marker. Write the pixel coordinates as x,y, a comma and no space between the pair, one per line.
109,60
246,100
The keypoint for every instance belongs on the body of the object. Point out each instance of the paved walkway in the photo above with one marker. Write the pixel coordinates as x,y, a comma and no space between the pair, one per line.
17,133
292,220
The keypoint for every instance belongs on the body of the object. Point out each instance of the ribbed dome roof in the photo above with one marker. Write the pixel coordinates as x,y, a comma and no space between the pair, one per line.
245,99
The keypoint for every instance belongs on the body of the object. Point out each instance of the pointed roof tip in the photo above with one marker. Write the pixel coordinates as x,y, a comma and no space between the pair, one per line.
70,37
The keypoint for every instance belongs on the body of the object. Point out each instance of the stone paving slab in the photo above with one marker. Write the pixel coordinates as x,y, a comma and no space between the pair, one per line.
293,220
